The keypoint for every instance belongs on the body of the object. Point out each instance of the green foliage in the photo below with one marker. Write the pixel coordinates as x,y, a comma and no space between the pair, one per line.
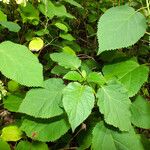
114,103
29,14
78,101
25,145
140,113
19,64
58,93
11,26
125,29
47,102
45,130
106,138
50,10
4,145
129,73
66,60
11,133
3,17
12,102
74,76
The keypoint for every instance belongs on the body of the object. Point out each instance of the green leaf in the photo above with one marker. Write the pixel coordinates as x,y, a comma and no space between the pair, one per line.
120,27
45,130
29,14
140,109
59,70
47,102
4,145
68,50
74,76
130,74
107,139
96,77
67,36
42,32
3,17
11,133
25,145
78,101
61,26
114,103
53,10
11,26
19,64
66,60
73,2
12,103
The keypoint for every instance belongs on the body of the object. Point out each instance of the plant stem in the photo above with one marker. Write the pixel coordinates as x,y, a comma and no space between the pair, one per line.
148,7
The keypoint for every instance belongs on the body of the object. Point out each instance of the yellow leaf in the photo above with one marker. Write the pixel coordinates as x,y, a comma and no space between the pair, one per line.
11,133
36,44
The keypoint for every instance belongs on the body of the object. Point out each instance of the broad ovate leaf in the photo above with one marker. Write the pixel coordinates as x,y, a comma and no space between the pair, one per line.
25,145
114,103
130,74
44,102
19,64
140,109
120,27
105,138
11,133
66,60
45,130
78,101
36,44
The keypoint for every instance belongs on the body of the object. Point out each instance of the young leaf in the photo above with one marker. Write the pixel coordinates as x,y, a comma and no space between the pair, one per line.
130,74
59,70
11,26
47,102
74,76
25,145
11,133
107,139
29,14
66,60
45,130
19,64
120,27
114,103
140,109
3,17
67,36
61,26
78,101
96,77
